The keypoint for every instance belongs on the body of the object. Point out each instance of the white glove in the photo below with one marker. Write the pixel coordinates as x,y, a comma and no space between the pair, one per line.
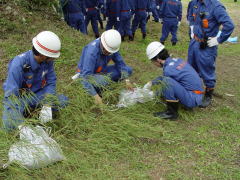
118,19
150,13
45,114
179,23
192,35
148,85
158,7
75,76
160,20
212,41
107,18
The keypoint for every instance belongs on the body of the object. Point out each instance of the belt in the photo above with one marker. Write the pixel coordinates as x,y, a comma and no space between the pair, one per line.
125,10
90,9
141,10
198,92
198,39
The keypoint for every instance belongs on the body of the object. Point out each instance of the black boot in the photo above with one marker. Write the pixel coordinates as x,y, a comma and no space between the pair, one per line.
207,98
144,35
130,38
162,42
174,43
122,38
171,112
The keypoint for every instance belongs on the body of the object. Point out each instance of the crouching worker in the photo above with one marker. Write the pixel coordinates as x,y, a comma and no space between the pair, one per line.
93,68
181,82
30,79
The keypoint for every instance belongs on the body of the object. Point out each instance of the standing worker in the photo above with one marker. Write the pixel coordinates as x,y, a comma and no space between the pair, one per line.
154,10
92,14
142,9
74,11
182,83
126,11
31,78
171,14
113,14
206,17
93,66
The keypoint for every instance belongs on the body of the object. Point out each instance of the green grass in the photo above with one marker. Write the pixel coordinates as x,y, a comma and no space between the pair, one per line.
109,143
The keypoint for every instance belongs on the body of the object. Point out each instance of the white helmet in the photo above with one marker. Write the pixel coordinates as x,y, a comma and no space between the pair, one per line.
153,49
47,43
111,40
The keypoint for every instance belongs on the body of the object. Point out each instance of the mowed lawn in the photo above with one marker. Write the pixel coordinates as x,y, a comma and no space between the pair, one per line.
109,143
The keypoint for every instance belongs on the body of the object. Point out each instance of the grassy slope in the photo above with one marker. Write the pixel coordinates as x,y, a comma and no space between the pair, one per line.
129,143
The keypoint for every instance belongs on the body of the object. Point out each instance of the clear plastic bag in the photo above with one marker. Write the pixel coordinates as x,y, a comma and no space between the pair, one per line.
35,149
141,95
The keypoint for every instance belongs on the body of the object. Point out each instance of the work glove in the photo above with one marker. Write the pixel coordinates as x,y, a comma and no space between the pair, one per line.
179,23
212,41
192,35
98,99
45,114
118,19
158,7
76,76
148,85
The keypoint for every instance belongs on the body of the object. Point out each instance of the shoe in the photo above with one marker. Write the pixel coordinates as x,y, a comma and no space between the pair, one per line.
122,38
162,42
171,113
97,36
207,99
174,43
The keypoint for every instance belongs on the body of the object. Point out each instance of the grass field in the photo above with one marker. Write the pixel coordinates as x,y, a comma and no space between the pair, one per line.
106,143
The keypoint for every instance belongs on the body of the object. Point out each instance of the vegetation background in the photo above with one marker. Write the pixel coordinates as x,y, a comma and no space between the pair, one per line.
109,143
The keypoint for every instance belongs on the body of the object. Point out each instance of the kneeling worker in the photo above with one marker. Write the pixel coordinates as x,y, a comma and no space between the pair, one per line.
182,83
31,77
93,65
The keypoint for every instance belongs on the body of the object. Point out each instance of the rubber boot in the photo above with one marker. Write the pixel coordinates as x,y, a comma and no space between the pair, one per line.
207,98
171,112
144,35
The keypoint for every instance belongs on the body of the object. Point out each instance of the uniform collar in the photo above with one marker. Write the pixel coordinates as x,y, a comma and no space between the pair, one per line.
33,62
167,62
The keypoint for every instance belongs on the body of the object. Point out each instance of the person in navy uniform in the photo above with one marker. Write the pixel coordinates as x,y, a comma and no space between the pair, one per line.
30,79
113,8
206,17
142,9
171,15
93,68
181,82
74,14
